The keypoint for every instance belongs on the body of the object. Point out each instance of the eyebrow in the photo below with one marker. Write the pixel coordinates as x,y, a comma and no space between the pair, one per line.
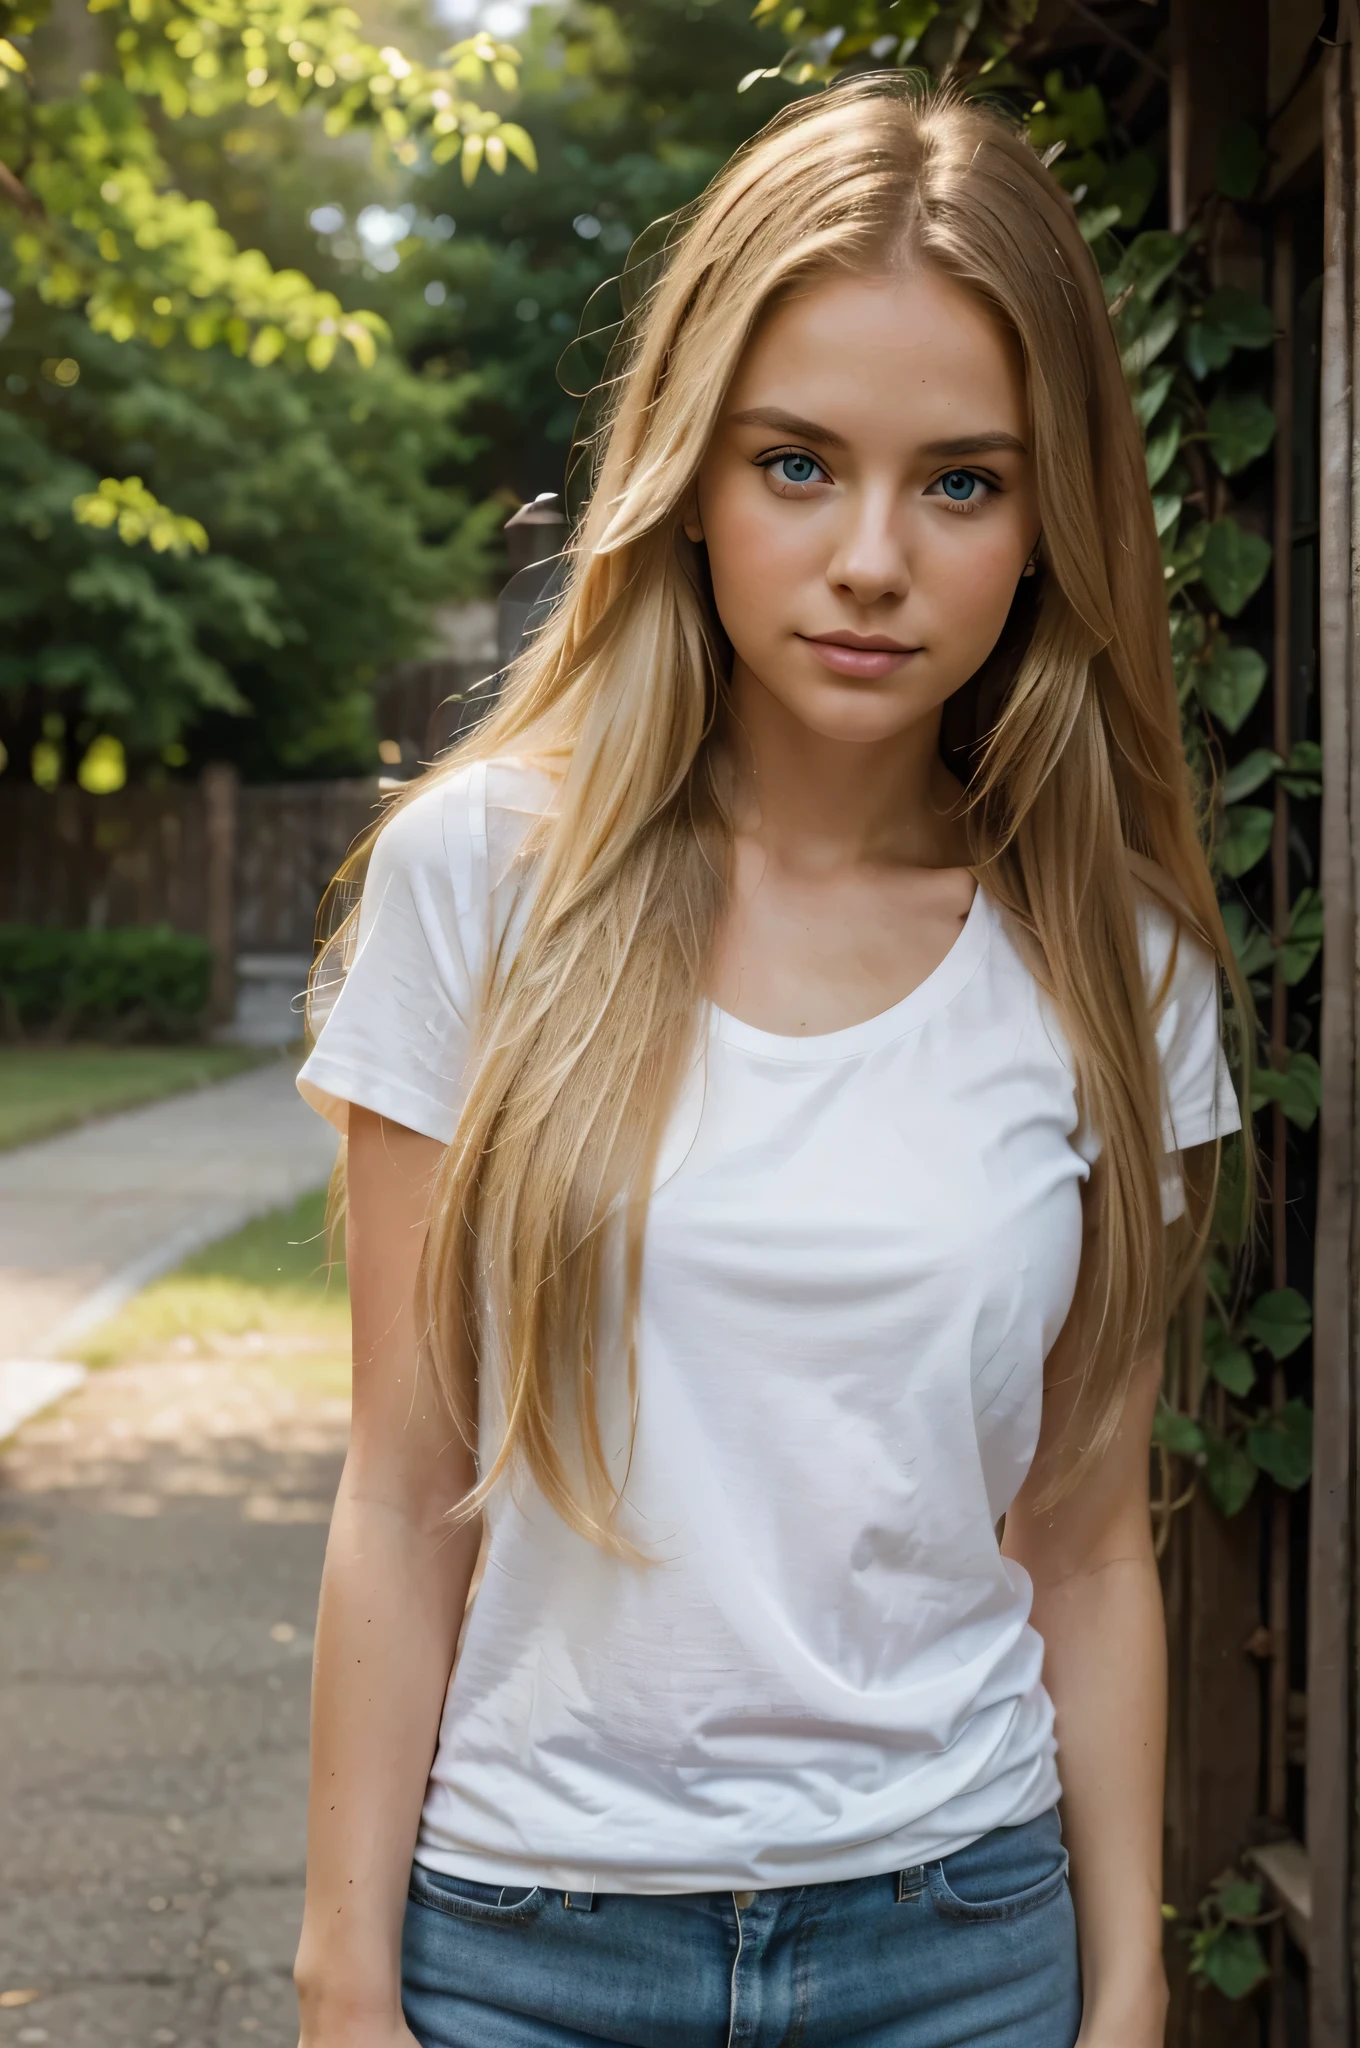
994,441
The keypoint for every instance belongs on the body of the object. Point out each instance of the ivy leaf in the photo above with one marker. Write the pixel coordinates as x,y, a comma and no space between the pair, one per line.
1238,1898
1177,1432
1130,184
1152,397
1166,510
1250,941
1229,681
1150,340
1241,427
1241,160
1231,1959
1161,453
1304,942
1145,266
1305,769
1280,1321
1244,839
1228,1472
1229,1362
1095,221
1230,1202
1234,564
1282,1445
1227,320
1249,773
1296,1086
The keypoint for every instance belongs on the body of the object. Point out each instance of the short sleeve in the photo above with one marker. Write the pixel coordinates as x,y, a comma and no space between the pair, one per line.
1198,1100
397,1036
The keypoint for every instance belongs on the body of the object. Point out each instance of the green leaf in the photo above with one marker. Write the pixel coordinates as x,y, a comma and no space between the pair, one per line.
1241,160
1177,1432
1150,400
1145,266
1234,564
1130,184
1241,428
1244,839
1250,942
1304,777
1228,1472
1282,1445
1296,1086
1233,1961
1161,453
1229,681
1229,1362
1166,510
1238,1898
1304,941
1144,349
1280,1321
1227,320
1249,773
1204,348
1230,1202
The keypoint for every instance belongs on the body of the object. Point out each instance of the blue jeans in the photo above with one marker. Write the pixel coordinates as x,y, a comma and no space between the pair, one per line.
976,1951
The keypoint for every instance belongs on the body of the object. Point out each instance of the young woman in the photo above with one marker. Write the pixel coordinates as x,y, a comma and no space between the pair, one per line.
768,1056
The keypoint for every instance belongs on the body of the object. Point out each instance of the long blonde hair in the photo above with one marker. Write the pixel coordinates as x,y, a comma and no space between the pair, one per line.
1077,775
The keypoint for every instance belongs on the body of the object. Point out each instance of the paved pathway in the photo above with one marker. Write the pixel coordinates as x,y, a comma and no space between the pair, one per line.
160,1544
161,1534
88,1217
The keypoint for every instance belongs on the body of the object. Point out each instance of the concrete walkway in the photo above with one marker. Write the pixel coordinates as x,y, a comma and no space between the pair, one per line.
90,1216
161,1534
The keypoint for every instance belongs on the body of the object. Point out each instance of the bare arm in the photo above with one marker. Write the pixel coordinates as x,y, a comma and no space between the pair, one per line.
1098,1607
392,1598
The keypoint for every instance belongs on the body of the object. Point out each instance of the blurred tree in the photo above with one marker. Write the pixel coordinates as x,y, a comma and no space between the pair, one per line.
633,109
206,542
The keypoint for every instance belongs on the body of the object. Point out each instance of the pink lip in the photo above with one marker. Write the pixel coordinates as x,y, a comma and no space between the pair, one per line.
852,654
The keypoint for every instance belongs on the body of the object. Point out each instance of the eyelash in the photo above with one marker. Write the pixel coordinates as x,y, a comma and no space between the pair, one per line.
787,487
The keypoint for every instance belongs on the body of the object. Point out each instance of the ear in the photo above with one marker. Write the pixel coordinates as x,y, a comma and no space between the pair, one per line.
690,521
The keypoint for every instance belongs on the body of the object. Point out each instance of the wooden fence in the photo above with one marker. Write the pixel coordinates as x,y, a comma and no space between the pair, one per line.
244,868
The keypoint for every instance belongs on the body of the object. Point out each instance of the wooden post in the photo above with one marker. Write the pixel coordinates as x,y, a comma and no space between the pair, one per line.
218,786
1332,1565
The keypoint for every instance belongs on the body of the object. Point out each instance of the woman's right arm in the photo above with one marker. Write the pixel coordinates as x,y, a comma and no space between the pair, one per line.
393,1593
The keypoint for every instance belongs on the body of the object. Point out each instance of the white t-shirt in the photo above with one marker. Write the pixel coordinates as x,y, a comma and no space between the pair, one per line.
859,1249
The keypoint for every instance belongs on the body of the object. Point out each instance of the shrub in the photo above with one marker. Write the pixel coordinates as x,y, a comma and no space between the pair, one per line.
136,981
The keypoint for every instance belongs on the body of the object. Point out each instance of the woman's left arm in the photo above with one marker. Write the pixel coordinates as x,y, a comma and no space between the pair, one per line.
1098,1608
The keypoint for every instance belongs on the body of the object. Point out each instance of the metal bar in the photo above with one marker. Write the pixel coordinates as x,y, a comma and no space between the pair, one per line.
1331,1723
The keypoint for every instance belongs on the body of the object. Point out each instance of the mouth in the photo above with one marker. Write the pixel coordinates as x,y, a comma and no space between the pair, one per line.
859,654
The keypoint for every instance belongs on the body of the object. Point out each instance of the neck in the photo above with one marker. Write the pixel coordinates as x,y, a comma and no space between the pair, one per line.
810,799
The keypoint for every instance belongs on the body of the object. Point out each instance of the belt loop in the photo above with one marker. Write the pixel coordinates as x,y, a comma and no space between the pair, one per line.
580,1902
910,1884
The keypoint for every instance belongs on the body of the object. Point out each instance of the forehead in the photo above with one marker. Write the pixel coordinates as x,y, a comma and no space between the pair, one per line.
916,356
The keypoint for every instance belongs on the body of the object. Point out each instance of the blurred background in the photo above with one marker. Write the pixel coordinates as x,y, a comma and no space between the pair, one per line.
284,460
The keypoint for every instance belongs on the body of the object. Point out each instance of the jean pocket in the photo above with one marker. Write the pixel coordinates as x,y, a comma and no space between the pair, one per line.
1006,1873
463,1898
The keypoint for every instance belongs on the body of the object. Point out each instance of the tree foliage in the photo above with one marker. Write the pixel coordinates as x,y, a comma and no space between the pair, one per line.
219,518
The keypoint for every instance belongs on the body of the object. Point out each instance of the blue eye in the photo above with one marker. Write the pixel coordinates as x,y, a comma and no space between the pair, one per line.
795,469
959,485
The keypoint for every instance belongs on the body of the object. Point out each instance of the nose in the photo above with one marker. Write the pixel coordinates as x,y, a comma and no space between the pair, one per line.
868,561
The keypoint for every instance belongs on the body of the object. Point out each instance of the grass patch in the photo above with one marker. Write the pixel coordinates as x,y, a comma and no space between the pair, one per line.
49,1088
266,1294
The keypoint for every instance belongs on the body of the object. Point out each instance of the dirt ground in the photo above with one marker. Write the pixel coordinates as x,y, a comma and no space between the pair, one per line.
161,1536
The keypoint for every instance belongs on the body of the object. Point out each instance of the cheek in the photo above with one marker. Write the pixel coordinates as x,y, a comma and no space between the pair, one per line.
969,576
754,559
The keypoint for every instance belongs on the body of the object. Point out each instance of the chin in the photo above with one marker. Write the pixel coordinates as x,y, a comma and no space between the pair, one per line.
855,714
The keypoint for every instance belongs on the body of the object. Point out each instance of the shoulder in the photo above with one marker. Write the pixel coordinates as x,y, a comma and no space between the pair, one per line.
463,827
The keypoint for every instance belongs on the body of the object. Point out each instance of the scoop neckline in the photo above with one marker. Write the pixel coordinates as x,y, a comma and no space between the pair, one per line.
940,986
